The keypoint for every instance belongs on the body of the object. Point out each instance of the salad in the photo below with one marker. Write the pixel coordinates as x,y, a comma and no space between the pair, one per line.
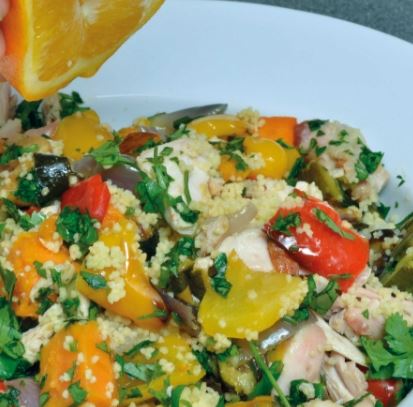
197,258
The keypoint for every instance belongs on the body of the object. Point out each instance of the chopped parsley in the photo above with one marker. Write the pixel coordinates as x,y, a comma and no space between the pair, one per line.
40,270
366,314
316,124
184,247
30,115
319,302
95,281
264,386
268,374
44,398
233,150
298,396
367,163
129,393
342,136
140,371
401,180
13,151
283,144
219,282
298,166
25,221
10,397
9,281
12,363
109,155
158,313
141,345
283,224
71,306
77,393
154,193
45,299
70,104
29,189
383,210
392,356
180,132
76,228
324,218
103,346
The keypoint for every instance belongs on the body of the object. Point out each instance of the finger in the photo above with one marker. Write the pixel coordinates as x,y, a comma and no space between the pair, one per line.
4,8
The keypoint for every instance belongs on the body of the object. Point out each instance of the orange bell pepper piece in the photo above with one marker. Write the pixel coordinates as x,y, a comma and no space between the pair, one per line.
72,359
27,249
279,127
140,299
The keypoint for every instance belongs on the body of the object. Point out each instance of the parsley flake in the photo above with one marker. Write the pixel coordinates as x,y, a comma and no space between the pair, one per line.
283,224
219,282
324,218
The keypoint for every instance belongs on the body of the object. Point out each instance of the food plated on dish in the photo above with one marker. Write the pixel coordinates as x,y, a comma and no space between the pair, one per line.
198,258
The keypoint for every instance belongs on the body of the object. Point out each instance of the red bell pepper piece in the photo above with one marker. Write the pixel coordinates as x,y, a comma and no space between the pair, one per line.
90,196
328,248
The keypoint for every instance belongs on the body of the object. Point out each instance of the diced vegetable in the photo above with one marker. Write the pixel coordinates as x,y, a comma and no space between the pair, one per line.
401,276
26,250
76,370
328,185
254,303
80,133
278,127
327,248
273,156
47,181
385,391
137,141
176,352
229,171
140,299
91,196
219,126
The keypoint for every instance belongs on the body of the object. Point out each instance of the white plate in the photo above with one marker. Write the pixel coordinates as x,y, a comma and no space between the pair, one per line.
277,60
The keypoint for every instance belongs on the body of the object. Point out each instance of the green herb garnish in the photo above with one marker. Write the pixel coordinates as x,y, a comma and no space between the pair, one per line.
324,218
268,373
76,228
70,104
95,281
30,115
283,224
77,393
184,247
219,282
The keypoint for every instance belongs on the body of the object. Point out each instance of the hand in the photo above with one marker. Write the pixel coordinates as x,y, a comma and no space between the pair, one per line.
4,9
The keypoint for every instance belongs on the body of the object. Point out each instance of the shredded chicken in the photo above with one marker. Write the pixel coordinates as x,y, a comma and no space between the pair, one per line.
304,356
344,380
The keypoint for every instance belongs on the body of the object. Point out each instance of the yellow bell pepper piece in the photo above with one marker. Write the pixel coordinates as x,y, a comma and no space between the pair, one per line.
292,156
71,357
81,132
229,171
255,302
176,351
273,156
141,299
219,126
